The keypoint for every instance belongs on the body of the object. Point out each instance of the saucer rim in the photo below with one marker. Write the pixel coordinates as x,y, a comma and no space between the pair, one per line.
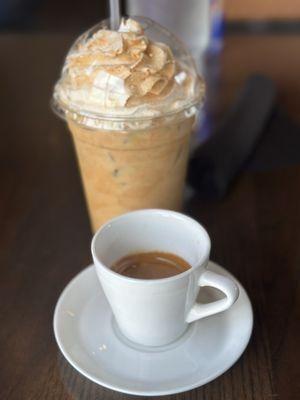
175,390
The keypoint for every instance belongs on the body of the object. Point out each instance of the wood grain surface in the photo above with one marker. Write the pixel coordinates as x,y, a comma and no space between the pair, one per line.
45,234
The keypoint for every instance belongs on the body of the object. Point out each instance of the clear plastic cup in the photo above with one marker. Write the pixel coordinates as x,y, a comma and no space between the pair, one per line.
128,162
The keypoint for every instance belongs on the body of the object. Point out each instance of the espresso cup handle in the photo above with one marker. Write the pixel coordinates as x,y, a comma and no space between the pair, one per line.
226,285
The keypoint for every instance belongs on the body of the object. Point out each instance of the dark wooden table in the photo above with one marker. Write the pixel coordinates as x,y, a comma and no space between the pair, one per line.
45,236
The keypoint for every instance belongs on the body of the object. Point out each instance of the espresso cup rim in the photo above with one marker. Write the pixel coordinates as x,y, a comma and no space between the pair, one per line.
174,214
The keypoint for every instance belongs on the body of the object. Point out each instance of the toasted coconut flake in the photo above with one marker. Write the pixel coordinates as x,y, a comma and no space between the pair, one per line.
108,42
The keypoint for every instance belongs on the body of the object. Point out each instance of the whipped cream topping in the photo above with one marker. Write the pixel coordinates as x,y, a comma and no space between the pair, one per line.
124,73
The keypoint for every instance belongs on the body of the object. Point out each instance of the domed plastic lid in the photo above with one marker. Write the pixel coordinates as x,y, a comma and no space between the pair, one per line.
139,76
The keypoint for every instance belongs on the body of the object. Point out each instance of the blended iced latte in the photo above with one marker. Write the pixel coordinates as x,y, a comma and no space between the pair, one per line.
129,98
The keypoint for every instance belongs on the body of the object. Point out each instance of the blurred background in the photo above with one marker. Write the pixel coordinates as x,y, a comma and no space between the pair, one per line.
74,15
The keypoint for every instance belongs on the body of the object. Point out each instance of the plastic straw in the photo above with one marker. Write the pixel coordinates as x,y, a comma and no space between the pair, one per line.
114,6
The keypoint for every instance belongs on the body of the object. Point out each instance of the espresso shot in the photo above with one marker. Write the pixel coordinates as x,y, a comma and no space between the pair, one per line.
150,265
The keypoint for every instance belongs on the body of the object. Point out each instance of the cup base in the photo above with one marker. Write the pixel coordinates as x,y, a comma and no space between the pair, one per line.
151,349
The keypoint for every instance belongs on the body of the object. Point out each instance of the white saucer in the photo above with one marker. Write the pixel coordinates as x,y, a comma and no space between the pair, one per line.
87,337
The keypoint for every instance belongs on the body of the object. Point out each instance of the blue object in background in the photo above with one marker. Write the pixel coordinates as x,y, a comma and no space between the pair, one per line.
217,24
17,13
211,70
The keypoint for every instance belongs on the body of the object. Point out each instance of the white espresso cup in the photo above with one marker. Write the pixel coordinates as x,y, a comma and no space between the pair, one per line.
156,312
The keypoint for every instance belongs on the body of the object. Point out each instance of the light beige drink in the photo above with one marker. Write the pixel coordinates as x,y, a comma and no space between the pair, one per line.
130,107
144,169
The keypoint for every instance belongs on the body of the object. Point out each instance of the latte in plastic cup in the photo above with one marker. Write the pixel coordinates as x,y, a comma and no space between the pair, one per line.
129,98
